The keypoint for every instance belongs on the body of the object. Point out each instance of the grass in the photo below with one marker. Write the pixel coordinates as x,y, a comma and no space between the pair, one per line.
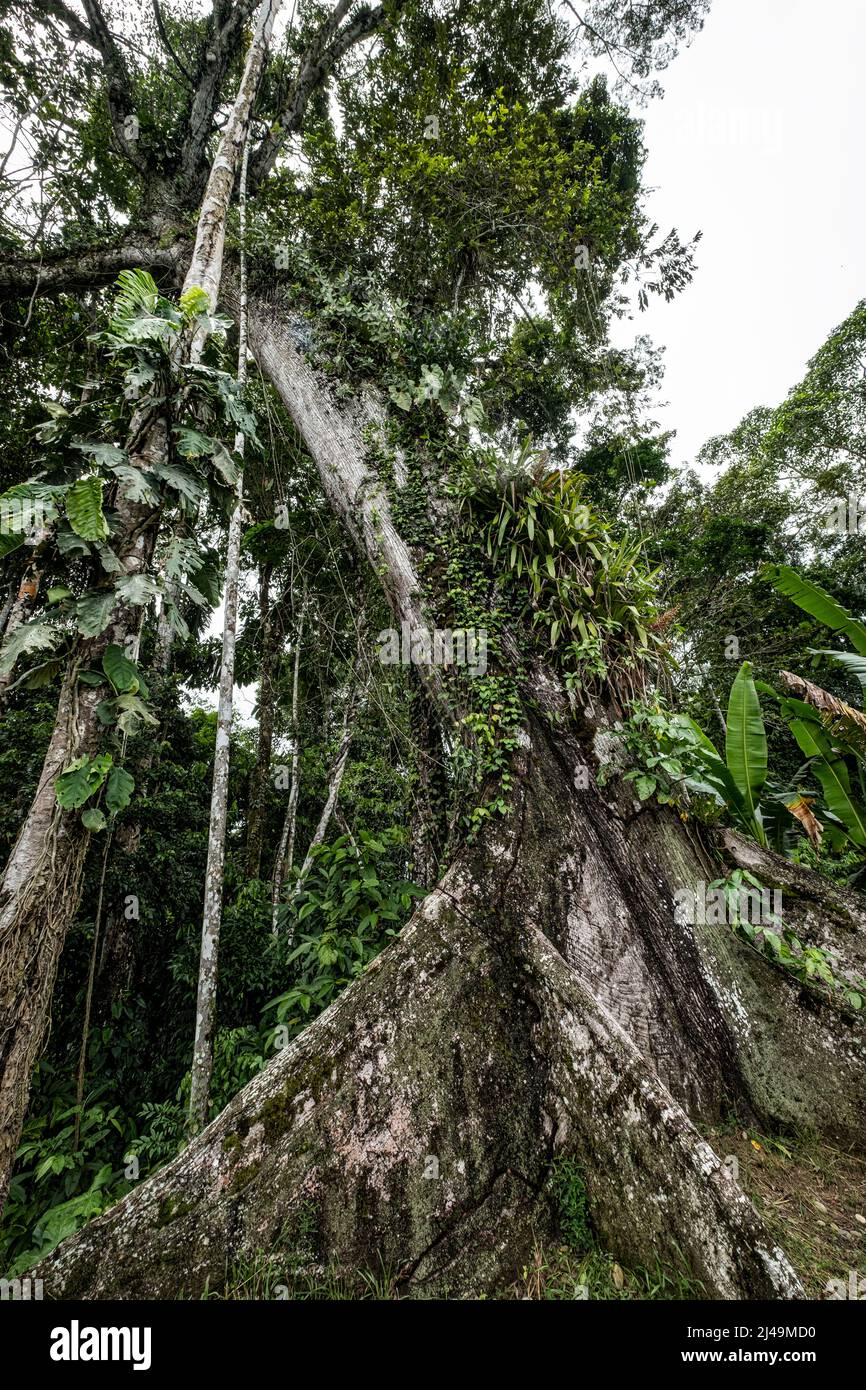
561,1274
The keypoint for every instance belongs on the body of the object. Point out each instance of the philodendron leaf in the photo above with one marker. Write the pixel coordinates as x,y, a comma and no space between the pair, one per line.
84,509
137,589
135,484
122,672
34,636
78,782
103,453
119,790
68,543
133,711
93,611
93,819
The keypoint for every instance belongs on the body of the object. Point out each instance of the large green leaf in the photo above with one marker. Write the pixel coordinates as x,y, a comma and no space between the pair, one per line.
34,636
817,603
137,589
84,509
136,485
746,741
122,672
855,664
78,782
10,541
119,790
133,711
102,453
93,611
833,776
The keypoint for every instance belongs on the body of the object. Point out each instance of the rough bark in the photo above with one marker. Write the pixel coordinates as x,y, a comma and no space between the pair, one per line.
471,1041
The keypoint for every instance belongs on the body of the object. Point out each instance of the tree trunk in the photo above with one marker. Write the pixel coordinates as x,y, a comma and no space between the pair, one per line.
208,973
413,1125
262,767
286,848
41,884
711,1016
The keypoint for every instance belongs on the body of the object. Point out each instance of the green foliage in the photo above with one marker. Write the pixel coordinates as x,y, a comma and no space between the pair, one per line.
81,780
563,571
58,1186
344,913
570,1199
137,354
810,965
818,603
84,509
746,741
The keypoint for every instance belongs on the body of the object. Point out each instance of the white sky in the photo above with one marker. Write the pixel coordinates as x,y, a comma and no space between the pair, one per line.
758,143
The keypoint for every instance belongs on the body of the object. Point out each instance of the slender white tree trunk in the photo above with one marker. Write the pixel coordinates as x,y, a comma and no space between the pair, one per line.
286,850
354,706
202,1058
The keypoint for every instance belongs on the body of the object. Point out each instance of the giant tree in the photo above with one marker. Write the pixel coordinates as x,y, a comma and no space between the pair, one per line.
436,267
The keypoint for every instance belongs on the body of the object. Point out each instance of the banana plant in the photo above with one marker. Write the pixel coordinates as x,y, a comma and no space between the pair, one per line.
739,779
829,731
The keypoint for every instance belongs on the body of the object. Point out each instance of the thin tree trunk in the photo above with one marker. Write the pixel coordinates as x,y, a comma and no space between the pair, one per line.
354,706
286,849
202,1058
262,766
41,884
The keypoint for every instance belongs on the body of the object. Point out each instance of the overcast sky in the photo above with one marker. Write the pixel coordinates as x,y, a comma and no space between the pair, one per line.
759,143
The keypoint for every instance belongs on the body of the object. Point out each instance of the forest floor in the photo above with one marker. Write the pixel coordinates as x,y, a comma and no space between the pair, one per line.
812,1198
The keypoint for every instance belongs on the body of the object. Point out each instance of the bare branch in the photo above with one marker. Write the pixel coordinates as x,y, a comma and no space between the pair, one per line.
166,41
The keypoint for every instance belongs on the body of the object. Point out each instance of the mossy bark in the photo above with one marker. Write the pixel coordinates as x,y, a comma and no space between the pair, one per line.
414,1124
